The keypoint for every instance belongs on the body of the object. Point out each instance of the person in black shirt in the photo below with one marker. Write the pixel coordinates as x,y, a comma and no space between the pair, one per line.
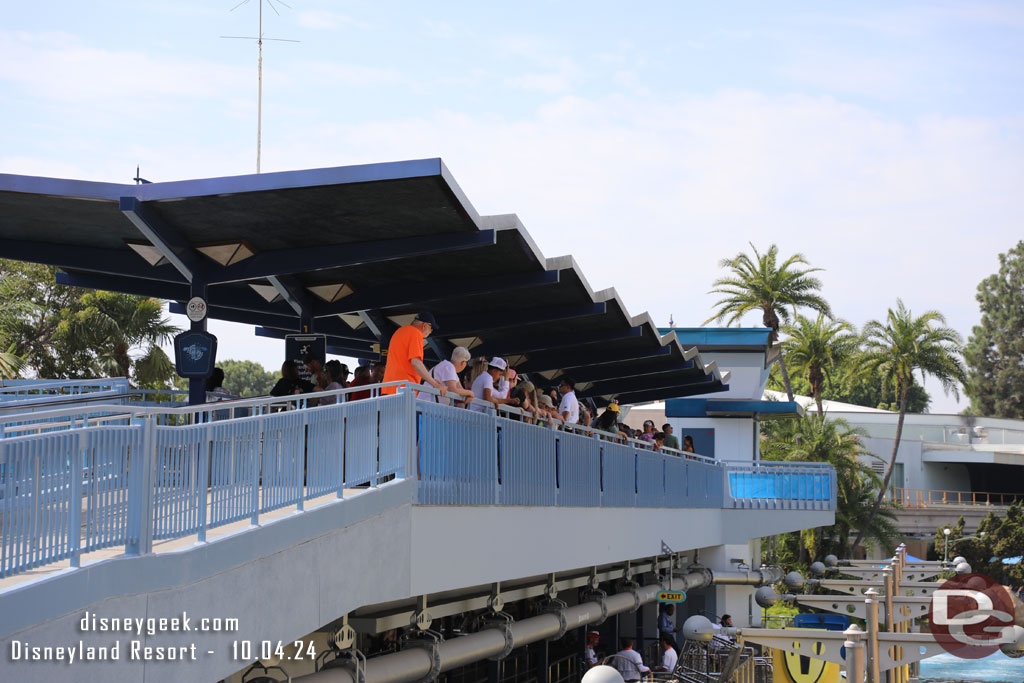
290,382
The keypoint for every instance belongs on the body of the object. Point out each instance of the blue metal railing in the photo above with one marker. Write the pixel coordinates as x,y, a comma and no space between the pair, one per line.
164,473
781,485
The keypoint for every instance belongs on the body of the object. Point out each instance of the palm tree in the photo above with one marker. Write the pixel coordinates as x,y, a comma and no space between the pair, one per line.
813,438
10,363
116,325
896,350
818,349
762,283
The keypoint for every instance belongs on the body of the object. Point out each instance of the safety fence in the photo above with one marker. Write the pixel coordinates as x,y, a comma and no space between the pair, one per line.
159,473
781,485
922,498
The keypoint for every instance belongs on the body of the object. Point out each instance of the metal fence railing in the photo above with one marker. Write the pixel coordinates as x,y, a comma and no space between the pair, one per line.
129,475
922,498
781,485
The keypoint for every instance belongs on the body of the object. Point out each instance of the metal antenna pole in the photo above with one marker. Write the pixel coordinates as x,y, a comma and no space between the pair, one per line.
259,91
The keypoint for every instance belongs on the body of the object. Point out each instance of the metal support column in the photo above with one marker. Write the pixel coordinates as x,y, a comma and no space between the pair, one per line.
871,641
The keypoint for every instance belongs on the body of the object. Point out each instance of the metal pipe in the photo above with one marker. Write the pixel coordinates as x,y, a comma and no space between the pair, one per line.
414,664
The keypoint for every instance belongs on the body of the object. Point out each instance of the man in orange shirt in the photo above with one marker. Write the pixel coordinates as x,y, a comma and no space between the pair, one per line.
405,354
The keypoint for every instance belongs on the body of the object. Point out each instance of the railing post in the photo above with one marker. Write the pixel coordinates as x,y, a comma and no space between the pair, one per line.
254,519
409,428
143,500
75,525
205,462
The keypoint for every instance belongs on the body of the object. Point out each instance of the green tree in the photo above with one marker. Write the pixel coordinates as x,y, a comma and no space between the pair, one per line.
995,350
859,388
120,326
896,350
246,378
32,308
763,284
10,363
813,438
999,536
819,349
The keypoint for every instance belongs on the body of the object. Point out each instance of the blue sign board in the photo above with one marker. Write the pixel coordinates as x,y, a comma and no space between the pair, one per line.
195,353
296,346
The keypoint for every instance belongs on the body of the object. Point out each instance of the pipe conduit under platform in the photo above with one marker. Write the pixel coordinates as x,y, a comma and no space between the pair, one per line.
418,663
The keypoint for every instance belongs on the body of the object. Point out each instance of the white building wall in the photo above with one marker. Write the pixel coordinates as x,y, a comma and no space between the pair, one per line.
918,474
734,437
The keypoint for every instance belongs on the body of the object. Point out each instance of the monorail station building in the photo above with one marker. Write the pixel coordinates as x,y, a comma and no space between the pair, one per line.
385,539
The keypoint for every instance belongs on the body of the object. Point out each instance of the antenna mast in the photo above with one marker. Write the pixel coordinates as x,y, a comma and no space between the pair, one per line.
259,70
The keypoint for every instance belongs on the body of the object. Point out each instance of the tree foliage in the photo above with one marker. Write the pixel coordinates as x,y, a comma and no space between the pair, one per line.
813,438
776,289
819,350
998,537
246,378
897,349
861,387
124,332
32,307
995,351
61,332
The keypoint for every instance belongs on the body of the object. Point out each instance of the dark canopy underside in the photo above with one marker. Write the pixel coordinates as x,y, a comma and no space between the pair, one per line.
352,252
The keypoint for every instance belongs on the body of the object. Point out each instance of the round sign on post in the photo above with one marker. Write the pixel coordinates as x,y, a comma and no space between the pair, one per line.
195,309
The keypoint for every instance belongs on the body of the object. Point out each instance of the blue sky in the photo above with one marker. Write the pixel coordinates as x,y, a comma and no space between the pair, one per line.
882,140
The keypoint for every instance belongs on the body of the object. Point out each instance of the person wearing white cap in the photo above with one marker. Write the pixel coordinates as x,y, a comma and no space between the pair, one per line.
484,386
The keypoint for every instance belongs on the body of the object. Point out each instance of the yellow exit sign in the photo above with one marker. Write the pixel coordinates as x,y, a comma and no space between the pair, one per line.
671,596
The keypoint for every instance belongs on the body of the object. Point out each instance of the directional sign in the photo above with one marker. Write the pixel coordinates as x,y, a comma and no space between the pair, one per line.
672,596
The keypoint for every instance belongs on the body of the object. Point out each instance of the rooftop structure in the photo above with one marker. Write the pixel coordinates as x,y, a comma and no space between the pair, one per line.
384,522
350,252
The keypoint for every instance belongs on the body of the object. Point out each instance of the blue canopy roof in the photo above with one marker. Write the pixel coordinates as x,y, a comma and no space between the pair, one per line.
351,252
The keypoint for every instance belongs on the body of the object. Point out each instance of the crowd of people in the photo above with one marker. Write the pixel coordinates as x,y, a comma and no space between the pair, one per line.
457,381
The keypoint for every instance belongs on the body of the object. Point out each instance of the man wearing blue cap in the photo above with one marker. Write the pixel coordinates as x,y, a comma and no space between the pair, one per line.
405,354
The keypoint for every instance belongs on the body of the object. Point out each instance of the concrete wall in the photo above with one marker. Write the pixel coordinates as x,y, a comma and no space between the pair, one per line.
918,474
289,578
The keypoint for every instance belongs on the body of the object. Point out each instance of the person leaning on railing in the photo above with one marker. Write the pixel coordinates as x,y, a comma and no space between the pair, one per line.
405,355
492,385
447,372
526,392
290,382
547,413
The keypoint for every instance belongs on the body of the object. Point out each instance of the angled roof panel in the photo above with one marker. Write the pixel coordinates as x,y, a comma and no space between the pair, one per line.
381,241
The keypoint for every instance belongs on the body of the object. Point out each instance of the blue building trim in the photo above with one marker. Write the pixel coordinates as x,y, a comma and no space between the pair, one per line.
722,407
721,337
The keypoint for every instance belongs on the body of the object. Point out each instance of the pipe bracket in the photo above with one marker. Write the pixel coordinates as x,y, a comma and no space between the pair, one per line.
429,641
557,608
600,597
500,621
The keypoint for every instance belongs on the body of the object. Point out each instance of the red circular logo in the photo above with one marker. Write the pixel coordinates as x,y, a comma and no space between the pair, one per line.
969,614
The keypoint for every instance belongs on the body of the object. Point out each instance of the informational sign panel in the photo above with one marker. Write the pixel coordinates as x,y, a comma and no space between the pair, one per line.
195,309
296,346
195,353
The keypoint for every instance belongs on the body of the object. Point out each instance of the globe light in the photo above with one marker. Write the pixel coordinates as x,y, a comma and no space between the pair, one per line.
698,628
602,673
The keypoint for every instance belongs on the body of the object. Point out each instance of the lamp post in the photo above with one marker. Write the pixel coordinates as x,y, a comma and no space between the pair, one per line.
945,555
